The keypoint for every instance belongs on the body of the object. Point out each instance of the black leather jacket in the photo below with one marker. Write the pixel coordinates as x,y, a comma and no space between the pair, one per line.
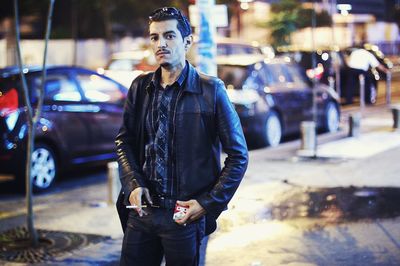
204,118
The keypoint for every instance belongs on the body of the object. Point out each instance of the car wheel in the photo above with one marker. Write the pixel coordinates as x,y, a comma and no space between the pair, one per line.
331,117
44,167
272,129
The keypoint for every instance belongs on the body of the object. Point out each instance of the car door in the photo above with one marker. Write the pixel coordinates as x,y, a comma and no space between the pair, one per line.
106,99
282,93
302,94
63,117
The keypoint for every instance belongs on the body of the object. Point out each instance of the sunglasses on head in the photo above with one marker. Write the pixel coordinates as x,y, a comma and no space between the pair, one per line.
170,11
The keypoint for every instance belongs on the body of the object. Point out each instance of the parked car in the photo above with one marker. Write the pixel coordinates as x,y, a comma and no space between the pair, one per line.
124,67
323,60
233,47
272,98
81,115
324,67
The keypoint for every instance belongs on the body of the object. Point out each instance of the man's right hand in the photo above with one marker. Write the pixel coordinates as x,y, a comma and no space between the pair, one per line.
135,199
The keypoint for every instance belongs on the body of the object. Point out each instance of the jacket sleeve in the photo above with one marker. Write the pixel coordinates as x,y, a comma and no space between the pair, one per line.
127,142
233,143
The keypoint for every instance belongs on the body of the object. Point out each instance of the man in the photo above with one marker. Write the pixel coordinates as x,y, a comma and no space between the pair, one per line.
169,152
360,61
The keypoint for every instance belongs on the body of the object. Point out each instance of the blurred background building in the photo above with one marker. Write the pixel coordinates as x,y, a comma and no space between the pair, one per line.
87,33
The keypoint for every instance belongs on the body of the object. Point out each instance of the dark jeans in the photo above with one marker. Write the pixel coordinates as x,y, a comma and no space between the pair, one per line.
150,237
353,84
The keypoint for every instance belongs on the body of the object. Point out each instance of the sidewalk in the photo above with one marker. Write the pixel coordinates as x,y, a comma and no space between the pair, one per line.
247,235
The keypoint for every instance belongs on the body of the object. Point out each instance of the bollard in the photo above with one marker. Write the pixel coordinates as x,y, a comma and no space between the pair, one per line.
114,184
308,139
338,80
361,78
331,82
388,87
354,125
396,117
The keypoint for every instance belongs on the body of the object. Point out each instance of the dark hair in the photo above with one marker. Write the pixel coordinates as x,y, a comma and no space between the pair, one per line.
167,13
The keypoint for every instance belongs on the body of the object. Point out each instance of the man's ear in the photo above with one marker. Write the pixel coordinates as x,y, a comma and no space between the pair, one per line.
188,42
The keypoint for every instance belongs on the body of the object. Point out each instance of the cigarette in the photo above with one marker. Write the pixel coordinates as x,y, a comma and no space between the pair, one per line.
135,206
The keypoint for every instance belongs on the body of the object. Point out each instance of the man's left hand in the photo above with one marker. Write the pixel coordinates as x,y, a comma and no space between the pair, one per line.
195,211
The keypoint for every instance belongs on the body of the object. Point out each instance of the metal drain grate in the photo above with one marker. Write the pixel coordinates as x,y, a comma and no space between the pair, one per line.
15,245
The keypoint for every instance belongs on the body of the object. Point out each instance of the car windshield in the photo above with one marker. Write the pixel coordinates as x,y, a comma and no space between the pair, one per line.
233,76
236,49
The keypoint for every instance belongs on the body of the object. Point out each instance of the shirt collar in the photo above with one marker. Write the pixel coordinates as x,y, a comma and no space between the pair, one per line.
180,81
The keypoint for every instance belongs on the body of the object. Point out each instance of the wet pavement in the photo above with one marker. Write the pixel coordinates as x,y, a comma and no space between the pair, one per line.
337,204
289,210
329,210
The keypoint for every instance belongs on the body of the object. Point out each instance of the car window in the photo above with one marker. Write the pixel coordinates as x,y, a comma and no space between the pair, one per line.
99,89
233,76
255,80
277,73
296,74
235,49
224,49
58,87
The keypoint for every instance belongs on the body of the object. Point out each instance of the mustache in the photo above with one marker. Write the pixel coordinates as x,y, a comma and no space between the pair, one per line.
162,51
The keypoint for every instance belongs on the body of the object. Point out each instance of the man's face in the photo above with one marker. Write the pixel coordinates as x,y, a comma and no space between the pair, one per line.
167,43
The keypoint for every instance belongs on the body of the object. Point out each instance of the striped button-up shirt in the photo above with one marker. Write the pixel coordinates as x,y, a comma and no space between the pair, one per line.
163,184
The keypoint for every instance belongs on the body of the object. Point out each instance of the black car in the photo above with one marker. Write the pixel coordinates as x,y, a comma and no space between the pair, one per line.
81,114
324,67
272,98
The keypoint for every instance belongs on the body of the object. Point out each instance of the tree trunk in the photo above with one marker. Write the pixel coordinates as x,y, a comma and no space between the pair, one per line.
106,12
31,118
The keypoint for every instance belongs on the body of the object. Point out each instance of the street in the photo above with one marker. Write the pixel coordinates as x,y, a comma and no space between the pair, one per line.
341,208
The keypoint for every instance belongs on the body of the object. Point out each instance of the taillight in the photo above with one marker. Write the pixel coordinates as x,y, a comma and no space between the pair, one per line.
316,72
8,102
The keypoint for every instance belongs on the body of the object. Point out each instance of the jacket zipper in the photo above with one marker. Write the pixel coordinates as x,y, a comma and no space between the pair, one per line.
173,144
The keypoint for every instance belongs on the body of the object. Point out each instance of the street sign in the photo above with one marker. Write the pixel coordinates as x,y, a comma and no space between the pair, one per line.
206,47
219,16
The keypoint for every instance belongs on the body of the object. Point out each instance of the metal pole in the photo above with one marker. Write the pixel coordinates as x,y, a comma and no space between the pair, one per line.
338,80
331,82
114,185
207,50
388,87
396,117
314,81
354,125
361,78
74,31
206,46
335,57
308,136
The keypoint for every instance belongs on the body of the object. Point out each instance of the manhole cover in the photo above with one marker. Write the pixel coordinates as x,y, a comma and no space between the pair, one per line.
15,245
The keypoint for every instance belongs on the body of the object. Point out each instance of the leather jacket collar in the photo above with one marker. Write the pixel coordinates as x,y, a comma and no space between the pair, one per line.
192,82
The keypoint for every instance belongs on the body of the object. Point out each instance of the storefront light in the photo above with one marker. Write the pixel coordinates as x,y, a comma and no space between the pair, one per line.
344,9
